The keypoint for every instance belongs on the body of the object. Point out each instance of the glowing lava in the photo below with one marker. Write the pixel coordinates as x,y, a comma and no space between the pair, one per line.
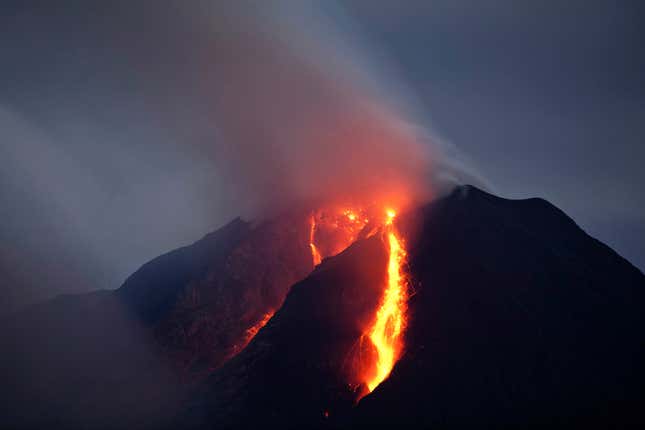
332,230
250,333
253,330
315,254
341,228
386,333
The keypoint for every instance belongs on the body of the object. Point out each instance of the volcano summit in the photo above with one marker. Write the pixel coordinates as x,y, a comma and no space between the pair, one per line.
470,310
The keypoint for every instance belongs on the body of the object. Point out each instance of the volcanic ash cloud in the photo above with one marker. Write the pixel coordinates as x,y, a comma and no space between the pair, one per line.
302,118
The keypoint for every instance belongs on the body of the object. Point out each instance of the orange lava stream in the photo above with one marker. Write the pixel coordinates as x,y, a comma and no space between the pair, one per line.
386,333
253,330
250,333
315,254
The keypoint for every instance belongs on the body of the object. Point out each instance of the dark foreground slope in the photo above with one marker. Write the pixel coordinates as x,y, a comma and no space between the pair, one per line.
518,318
95,360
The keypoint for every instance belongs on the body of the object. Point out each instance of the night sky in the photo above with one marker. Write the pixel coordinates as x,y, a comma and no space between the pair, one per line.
106,122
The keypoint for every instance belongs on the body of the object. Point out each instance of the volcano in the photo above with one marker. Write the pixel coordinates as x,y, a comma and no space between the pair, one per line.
506,314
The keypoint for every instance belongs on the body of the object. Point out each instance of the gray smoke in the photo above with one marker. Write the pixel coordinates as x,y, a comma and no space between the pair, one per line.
304,113
120,145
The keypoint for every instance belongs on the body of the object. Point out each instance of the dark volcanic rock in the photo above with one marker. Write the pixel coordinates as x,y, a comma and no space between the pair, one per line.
518,318
153,290
202,300
299,365
246,281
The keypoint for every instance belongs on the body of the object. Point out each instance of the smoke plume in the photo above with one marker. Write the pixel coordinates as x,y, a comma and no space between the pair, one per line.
136,144
303,116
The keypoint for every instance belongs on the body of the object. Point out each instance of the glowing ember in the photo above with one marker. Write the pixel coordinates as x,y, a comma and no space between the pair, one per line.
350,215
390,216
252,331
333,230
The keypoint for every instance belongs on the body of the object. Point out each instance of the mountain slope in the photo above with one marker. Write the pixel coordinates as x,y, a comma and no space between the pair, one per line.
127,357
518,318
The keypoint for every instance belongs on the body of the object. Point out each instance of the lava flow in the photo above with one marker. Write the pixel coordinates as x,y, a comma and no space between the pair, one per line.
250,333
385,333
390,319
315,254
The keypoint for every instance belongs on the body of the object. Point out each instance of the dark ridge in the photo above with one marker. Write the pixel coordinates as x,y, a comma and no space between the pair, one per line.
128,357
153,290
519,318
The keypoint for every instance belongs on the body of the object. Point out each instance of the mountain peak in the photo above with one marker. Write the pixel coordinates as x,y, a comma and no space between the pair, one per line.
515,316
